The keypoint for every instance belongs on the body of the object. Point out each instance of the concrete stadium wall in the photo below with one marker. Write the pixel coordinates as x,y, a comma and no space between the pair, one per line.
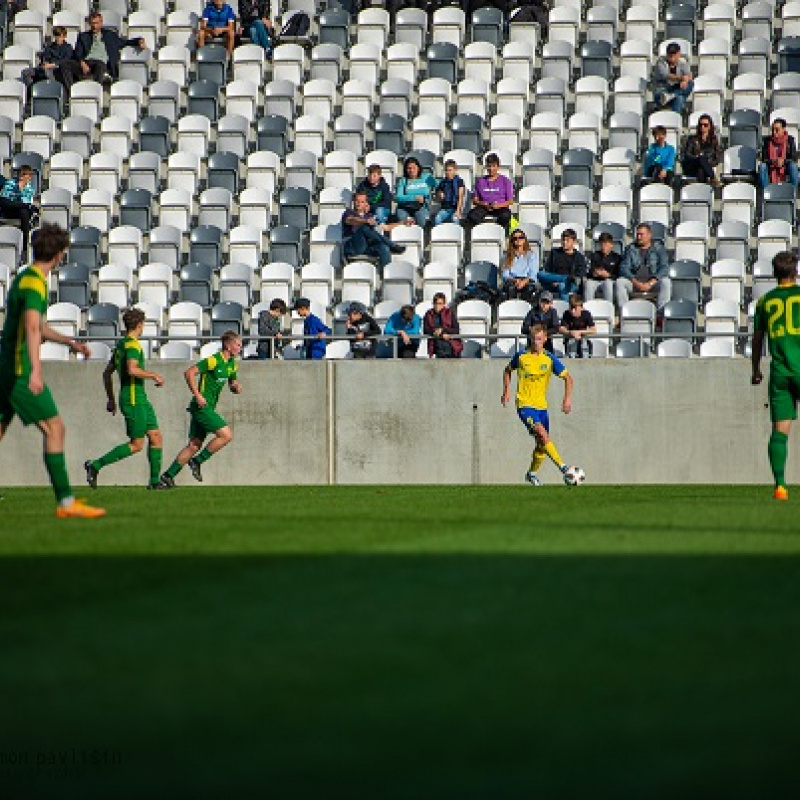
652,421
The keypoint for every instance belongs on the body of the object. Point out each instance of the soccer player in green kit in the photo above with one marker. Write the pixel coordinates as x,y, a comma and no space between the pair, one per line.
777,317
140,418
214,372
23,391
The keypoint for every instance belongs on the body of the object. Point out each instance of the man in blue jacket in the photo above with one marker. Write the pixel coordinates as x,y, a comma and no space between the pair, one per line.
313,328
97,51
405,325
644,269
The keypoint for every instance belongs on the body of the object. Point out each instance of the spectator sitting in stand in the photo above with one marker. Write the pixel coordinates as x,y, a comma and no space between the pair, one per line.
565,268
543,313
361,235
603,269
672,79
778,156
702,153
520,269
413,194
492,196
576,323
254,16
644,269
450,192
16,202
217,25
659,161
378,193
50,59
97,53
362,326
441,325
406,325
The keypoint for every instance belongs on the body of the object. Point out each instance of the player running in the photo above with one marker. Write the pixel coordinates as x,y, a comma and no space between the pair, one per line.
140,418
22,387
214,372
534,368
778,318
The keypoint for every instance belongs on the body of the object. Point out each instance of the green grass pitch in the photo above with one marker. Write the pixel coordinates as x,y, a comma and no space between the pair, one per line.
401,643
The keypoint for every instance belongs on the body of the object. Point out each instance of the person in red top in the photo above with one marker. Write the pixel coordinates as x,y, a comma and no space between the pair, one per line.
441,325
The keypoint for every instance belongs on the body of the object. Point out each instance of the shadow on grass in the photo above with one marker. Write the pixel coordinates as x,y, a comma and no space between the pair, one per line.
399,677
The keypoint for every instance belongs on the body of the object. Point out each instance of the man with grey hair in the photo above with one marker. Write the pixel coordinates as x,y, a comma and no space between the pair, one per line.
644,269
672,79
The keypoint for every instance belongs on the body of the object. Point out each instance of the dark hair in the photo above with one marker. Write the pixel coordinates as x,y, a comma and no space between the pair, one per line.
672,48
411,160
278,305
59,30
605,236
645,225
780,120
48,241
451,162
95,15
374,168
438,296
24,169
230,336
360,194
407,312
570,232
132,318
784,265
575,300
537,327
658,129
712,131
492,158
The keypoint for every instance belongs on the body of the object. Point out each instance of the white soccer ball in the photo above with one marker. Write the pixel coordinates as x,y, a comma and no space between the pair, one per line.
574,476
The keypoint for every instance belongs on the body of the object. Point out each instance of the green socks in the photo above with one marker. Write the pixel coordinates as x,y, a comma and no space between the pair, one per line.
56,466
203,456
154,457
112,456
778,450
174,468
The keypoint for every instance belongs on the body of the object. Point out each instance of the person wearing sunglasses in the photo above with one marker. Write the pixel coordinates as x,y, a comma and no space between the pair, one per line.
520,269
702,153
778,156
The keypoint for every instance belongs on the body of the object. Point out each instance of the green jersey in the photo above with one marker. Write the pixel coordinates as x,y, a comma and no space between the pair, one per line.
28,292
778,315
215,372
131,390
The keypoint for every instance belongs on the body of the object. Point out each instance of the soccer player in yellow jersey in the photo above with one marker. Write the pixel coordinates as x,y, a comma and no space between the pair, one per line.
23,392
777,318
534,368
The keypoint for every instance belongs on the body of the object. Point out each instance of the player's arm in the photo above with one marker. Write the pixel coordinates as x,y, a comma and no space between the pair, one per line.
49,335
506,385
108,372
135,371
33,340
755,357
566,403
190,376
234,385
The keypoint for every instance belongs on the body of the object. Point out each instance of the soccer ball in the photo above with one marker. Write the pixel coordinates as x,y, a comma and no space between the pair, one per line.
574,476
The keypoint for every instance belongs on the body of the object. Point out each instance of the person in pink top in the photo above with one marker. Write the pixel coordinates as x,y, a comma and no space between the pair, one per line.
492,196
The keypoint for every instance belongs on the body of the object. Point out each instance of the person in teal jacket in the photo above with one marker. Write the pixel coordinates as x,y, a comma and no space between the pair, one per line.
659,161
405,324
413,193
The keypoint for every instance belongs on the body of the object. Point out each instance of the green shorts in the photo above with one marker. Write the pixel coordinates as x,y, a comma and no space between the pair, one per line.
784,391
17,399
139,419
204,421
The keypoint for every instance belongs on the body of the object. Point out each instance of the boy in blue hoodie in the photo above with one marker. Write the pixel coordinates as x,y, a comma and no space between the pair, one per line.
659,161
313,326
451,191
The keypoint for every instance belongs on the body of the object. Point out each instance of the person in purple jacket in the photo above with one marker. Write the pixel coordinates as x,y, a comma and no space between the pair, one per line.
492,196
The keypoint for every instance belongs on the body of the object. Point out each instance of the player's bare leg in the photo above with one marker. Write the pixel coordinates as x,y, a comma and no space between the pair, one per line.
53,432
181,460
778,450
222,437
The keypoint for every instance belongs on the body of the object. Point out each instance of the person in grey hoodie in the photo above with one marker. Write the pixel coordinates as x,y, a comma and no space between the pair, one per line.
672,79
644,269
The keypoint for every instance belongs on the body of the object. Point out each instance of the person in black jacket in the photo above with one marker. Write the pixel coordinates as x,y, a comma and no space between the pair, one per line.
97,52
543,313
702,152
361,325
51,58
565,268
378,193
